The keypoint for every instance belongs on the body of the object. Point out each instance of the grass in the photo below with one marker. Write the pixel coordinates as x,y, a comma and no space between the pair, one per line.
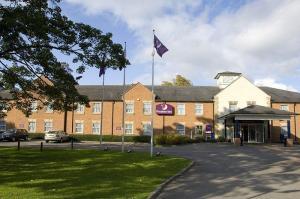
30,173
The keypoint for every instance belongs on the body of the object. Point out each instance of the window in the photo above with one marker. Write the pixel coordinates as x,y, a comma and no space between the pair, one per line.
2,125
180,128
48,125
78,127
129,107
128,128
147,109
232,106
199,109
284,107
198,130
49,108
80,108
32,126
147,129
3,107
97,107
227,79
181,109
249,103
34,105
96,127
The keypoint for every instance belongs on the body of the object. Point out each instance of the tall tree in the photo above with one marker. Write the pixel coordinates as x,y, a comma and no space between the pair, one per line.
34,39
178,81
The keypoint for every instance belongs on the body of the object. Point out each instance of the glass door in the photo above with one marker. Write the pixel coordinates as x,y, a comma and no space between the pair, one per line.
252,133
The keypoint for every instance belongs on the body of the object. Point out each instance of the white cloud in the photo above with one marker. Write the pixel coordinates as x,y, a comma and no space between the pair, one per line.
258,39
272,83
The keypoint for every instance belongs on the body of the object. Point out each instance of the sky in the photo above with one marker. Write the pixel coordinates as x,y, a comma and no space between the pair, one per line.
259,38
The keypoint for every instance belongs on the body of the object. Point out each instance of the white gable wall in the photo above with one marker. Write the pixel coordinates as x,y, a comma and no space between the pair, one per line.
241,90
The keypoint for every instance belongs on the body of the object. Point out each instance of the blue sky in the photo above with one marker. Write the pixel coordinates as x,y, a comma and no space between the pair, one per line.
258,38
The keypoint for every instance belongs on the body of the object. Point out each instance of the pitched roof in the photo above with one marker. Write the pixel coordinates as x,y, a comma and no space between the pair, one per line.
171,93
227,73
4,94
258,110
279,95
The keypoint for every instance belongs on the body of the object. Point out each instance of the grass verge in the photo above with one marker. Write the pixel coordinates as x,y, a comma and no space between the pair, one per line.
30,173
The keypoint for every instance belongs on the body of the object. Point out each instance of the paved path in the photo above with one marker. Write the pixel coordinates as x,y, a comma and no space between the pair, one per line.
221,170
227,171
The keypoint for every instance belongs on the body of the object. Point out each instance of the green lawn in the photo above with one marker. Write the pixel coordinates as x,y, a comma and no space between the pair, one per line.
82,174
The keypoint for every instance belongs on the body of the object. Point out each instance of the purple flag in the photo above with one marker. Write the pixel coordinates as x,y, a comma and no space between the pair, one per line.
160,48
102,71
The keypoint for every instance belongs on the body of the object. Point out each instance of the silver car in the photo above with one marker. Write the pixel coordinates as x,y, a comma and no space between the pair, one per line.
58,136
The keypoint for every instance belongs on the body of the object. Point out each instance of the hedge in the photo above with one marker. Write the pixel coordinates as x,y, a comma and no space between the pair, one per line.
172,139
91,137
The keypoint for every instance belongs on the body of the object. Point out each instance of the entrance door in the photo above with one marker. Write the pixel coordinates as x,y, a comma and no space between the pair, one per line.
244,130
252,133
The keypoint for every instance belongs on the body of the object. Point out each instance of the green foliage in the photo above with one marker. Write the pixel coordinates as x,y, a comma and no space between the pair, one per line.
172,139
142,138
110,138
221,139
29,173
36,136
34,38
178,81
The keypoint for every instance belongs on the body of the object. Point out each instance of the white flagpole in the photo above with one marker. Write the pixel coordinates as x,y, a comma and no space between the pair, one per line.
153,100
123,117
102,112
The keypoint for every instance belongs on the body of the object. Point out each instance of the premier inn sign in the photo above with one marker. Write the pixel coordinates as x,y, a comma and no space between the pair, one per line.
164,109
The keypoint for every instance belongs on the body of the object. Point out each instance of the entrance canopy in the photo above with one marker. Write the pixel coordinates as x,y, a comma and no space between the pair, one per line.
256,112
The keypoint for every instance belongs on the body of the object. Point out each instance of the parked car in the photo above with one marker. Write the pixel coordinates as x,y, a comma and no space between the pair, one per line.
15,134
59,136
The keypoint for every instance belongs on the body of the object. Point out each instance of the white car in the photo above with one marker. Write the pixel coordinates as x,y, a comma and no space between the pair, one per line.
59,136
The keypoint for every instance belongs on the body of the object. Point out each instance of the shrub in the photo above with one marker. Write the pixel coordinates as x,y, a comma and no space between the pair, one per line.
172,139
221,139
36,136
142,138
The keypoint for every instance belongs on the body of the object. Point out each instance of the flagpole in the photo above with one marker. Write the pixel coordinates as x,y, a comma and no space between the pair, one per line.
153,99
123,114
102,112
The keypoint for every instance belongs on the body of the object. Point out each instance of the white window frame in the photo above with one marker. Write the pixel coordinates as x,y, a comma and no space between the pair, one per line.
180,130
98,110
126,128
183,108
201,127
129,103
250,103
34,106
49,109
80,109
147,111
284,105
50,126
199,109
34,122
232,103
95,128
4,109
2,125
82,126
149,129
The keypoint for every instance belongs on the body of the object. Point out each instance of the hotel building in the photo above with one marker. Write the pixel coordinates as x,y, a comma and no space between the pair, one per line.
263,114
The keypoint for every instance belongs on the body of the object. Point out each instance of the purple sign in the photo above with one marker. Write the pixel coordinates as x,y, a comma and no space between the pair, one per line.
164,109
208,128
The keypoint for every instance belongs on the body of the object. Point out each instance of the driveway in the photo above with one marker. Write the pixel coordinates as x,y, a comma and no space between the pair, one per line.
227,171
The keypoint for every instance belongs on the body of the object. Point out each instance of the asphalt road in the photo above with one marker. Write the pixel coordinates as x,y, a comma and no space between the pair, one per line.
221,170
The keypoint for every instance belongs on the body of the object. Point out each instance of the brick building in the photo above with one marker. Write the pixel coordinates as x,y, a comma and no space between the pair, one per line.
235,104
